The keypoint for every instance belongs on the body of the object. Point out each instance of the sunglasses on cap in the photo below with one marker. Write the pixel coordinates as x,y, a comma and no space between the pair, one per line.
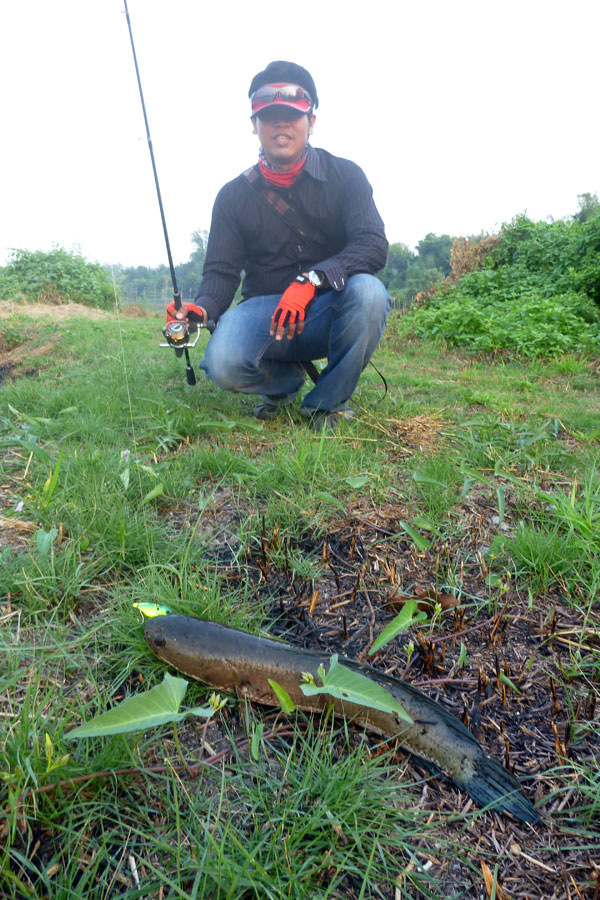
291,95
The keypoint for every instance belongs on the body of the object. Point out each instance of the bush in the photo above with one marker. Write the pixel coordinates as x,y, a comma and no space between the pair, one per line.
537,293
56,277
9,286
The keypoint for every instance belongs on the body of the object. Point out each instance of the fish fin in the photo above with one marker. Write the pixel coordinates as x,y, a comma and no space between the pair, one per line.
493,786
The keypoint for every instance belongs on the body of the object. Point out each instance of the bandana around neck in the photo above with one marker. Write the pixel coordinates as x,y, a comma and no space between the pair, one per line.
276,177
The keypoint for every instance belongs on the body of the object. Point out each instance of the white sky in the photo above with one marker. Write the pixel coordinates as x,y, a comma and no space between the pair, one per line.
462,114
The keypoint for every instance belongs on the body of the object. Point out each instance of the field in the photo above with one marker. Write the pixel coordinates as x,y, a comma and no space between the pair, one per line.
472,486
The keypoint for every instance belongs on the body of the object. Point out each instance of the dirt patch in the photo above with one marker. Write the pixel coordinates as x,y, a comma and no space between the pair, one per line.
15,533
59,311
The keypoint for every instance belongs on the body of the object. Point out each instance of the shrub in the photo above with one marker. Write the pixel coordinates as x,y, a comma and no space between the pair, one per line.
57,276
537,293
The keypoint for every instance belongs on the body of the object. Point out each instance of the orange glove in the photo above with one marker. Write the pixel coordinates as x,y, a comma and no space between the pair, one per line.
291,309
193,313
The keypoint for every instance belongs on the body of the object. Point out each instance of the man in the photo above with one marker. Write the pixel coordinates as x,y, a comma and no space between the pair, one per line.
303,228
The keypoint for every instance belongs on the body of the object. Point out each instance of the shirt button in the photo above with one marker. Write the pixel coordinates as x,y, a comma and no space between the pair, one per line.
299,249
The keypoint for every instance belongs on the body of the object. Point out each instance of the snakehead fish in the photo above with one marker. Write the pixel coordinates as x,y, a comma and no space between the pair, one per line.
237,662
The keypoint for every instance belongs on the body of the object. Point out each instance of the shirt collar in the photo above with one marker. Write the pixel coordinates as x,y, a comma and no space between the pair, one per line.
313,164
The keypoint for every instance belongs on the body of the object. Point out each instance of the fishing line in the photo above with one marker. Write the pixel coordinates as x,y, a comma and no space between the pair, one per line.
180,329
130,407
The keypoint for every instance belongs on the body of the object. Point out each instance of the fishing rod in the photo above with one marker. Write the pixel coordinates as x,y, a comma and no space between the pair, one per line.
177,333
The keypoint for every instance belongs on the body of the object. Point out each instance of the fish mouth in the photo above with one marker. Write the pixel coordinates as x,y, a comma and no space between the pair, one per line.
154,634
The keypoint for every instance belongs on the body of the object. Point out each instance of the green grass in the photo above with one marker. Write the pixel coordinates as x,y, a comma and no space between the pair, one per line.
137,487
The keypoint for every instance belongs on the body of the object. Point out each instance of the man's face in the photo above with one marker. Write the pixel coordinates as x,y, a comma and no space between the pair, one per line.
283,134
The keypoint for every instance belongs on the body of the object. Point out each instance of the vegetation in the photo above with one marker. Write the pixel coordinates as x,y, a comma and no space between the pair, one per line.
407,274
59,276
451,536
537,293
470,489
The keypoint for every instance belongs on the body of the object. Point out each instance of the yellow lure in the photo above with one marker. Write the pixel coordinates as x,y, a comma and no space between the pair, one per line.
150,610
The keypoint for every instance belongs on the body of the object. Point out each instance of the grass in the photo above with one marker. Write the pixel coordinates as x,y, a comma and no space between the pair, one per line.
120,483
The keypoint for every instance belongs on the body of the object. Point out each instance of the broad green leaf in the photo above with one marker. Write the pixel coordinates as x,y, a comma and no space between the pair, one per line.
427,525
157,491
157,706
44,540
407,616
346,684
285,701
418,540
215,425
426,479
357,481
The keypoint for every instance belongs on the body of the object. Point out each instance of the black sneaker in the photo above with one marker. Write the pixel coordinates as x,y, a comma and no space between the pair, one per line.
272,406
330,421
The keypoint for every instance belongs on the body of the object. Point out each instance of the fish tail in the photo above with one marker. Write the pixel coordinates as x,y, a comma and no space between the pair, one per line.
493,786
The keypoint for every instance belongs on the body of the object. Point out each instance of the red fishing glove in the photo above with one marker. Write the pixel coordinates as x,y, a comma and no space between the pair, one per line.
291,309
194,313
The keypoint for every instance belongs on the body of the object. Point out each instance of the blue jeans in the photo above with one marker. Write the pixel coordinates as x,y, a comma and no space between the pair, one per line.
342,326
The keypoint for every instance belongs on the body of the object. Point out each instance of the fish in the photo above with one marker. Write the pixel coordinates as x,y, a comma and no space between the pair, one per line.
236,662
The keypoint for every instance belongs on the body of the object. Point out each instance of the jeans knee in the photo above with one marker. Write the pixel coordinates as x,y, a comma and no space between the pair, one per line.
368,298
223,369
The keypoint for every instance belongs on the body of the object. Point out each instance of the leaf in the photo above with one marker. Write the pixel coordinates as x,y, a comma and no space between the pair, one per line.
215,425
157,706
425,479
346,684
418,540
329,498
285,701
256,739
500,495
407,616
426,525
357,481
506,680
44,540
157,491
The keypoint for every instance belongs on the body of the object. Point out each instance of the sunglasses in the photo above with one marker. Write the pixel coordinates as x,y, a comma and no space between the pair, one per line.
285,94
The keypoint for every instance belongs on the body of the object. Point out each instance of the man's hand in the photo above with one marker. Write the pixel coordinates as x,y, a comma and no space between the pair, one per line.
188,313
291,309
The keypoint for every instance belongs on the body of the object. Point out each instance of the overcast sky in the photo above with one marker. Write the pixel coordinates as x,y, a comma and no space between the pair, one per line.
462,114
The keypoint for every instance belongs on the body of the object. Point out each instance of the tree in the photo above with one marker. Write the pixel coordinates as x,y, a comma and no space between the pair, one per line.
589,206
434,252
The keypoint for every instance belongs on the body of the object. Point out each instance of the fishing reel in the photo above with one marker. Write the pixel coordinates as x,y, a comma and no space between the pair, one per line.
178,335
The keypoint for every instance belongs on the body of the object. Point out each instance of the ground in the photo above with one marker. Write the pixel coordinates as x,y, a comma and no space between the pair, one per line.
518,666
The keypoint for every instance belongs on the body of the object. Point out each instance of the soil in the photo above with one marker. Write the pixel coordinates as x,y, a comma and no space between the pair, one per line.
497,660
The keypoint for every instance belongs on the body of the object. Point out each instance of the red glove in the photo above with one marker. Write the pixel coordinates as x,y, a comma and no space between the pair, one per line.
291,309
192,312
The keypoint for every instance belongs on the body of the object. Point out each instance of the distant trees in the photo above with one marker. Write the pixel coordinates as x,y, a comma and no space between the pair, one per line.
589,206
146,285
407,272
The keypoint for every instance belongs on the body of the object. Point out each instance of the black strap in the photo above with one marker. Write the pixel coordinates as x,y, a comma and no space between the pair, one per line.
311,370
283,208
